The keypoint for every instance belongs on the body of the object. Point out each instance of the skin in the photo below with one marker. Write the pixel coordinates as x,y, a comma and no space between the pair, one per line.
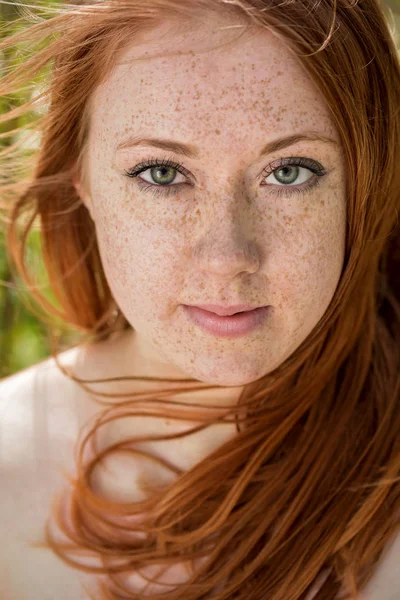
228,237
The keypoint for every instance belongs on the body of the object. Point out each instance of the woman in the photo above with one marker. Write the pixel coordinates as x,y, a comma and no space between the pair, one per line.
240,154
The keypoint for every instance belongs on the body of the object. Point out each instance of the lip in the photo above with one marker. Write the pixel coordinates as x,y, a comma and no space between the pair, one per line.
224,311
227,326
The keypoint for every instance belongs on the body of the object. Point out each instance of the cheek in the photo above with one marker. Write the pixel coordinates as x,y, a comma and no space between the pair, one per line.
309,261
142,258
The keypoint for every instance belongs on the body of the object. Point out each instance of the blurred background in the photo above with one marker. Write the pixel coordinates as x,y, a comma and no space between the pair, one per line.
23,336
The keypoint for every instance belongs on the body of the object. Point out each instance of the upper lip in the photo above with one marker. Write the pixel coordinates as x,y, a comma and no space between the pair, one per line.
224,311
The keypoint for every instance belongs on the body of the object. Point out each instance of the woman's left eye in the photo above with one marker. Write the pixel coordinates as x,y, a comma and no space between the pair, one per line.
286,171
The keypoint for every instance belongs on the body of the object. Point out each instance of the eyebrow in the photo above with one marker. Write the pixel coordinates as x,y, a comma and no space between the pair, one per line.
191,151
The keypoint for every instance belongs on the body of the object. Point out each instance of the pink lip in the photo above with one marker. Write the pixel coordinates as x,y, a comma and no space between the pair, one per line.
230,326
225,311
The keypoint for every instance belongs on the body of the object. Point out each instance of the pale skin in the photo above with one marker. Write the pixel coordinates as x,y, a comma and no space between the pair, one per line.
226,236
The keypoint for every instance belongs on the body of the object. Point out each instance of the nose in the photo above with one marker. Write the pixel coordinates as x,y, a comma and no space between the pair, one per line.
227,248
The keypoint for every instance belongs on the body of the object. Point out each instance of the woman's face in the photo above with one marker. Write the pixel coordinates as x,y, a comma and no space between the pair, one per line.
229,226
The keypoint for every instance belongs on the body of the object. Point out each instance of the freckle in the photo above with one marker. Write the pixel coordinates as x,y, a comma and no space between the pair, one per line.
217,131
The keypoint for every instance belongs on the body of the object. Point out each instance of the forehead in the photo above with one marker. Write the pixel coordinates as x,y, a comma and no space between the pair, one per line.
193,83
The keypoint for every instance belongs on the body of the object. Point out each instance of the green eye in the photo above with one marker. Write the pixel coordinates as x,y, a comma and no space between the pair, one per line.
164,172
163,175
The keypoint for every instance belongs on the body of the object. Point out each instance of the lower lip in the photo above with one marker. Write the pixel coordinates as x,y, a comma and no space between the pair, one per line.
230,326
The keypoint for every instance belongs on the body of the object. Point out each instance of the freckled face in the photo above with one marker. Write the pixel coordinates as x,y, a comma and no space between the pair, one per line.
232,229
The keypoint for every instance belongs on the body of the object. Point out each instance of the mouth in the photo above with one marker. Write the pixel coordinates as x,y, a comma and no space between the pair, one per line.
226,311
233,325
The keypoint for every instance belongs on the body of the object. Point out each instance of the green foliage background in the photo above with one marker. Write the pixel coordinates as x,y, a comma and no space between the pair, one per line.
23,337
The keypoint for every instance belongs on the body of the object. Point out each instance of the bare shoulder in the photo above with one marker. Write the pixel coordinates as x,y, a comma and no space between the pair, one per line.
39,407
40,416
34,385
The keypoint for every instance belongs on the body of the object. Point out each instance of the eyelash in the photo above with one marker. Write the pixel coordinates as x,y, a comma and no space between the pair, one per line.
287,190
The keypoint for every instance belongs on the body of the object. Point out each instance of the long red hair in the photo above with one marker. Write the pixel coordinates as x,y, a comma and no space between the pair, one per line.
310,483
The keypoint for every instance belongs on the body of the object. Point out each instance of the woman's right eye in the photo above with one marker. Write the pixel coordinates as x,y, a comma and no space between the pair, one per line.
161,175
162,170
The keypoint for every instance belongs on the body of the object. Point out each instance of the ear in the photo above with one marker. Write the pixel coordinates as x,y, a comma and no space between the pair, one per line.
83,194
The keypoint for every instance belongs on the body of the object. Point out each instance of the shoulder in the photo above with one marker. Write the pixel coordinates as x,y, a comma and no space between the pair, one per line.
25,383
31,403
39,422
27,380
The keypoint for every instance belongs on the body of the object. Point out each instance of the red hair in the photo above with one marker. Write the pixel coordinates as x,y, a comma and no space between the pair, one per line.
310,483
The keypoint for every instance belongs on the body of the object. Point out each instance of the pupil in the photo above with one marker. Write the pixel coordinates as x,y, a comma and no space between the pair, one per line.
165,174
287,177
